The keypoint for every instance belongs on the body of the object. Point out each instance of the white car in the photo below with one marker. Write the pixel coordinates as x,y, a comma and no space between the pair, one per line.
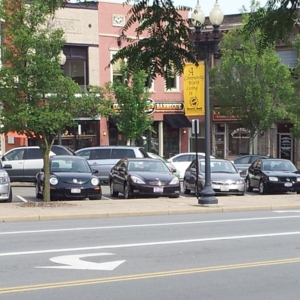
182,160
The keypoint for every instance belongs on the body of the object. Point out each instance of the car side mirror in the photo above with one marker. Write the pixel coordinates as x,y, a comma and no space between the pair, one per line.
95,171
7,166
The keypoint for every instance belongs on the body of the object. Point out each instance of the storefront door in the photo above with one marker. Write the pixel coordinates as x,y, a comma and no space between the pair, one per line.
285,146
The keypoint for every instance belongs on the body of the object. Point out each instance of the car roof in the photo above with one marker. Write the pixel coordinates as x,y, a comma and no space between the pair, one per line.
143,158
110,147
67,157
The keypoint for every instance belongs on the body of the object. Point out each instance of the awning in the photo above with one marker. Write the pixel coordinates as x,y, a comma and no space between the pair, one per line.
177,120
16,135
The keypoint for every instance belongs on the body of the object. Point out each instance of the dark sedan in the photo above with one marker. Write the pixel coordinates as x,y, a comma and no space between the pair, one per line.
242,163
143,177
273,175
71,177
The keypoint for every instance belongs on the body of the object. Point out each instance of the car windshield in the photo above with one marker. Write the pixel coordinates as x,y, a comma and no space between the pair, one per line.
219,167
70,166
279,165
147,166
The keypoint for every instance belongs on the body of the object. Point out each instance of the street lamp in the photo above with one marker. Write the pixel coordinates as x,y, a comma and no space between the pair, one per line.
61,60
206,46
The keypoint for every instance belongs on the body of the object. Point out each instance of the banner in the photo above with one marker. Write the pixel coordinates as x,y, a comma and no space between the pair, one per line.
194,89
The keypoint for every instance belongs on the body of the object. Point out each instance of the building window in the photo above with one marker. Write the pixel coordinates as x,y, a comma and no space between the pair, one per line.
288,57
172,82
76,64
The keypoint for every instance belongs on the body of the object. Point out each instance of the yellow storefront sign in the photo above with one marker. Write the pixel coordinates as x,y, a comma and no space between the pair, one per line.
194,89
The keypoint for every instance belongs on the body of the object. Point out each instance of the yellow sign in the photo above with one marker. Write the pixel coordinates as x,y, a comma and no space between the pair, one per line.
194,89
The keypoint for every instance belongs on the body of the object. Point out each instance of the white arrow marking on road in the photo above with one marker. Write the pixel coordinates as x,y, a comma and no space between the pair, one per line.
74,262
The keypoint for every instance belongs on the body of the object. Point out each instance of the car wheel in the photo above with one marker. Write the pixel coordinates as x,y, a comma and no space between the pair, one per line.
38,193
127,194
185,189
262,189
10,196
176,196
112,191
248,186
298,192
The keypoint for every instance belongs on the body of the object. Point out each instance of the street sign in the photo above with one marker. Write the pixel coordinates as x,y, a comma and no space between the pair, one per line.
195,126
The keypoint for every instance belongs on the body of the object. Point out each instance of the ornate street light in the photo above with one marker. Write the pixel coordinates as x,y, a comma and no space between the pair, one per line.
206,46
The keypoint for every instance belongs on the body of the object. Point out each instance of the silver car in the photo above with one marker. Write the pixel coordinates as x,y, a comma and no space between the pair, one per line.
225,178
104,158
5,187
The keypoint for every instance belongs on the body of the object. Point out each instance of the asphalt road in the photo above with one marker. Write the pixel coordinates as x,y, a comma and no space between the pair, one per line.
252,255
26,192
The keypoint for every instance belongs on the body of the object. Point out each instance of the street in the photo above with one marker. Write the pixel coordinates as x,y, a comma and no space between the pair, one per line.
246,255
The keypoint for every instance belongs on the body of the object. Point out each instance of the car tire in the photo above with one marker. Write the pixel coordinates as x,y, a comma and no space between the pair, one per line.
176,196
185,189
10,196
38,193
127,194
262,189
112,191
298,192
249,188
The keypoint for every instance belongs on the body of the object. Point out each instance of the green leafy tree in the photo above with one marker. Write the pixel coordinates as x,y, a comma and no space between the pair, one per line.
254,88
293,107
277,20
132,98
37,99
166,44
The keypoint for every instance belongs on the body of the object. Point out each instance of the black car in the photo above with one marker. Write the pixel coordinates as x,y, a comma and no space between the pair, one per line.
243,162
143,176
71,177
273,175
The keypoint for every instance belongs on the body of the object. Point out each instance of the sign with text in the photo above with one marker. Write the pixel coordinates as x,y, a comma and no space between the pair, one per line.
194,89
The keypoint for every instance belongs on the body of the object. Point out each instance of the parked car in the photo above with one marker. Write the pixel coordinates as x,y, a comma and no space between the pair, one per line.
169,165
5,187
225,178
22,163
71,177
182,161
143,177
273,175
103,158
243,162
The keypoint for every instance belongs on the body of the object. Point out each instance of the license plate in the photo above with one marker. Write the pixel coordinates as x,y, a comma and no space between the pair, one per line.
158,189
288,184
75,191
224,188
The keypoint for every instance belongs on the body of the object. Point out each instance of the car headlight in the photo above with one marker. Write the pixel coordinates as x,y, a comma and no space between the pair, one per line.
273,178
137,180
175,180
298,179
53,180
240,181
4,179
95,181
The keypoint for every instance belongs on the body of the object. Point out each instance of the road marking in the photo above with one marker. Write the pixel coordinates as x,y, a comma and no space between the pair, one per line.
238,237
55,285
74,262
21,198
148,225
286,211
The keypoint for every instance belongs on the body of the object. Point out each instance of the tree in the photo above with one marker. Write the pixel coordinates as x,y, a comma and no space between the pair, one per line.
37,99
132,98
166,44
293,107
254,88
276,21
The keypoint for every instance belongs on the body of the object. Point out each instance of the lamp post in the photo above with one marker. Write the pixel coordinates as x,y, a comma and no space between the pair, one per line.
207,45
61,60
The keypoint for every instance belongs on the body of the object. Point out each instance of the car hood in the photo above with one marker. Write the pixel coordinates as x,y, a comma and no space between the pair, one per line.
152,176
73,177
282,173
225,176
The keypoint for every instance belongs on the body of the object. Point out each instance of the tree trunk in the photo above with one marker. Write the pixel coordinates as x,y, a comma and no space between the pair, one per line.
46,157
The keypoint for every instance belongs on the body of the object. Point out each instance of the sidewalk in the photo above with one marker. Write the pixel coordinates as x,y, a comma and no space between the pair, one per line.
14,212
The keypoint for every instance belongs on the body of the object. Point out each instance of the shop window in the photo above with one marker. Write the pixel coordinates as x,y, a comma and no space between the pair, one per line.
76,64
